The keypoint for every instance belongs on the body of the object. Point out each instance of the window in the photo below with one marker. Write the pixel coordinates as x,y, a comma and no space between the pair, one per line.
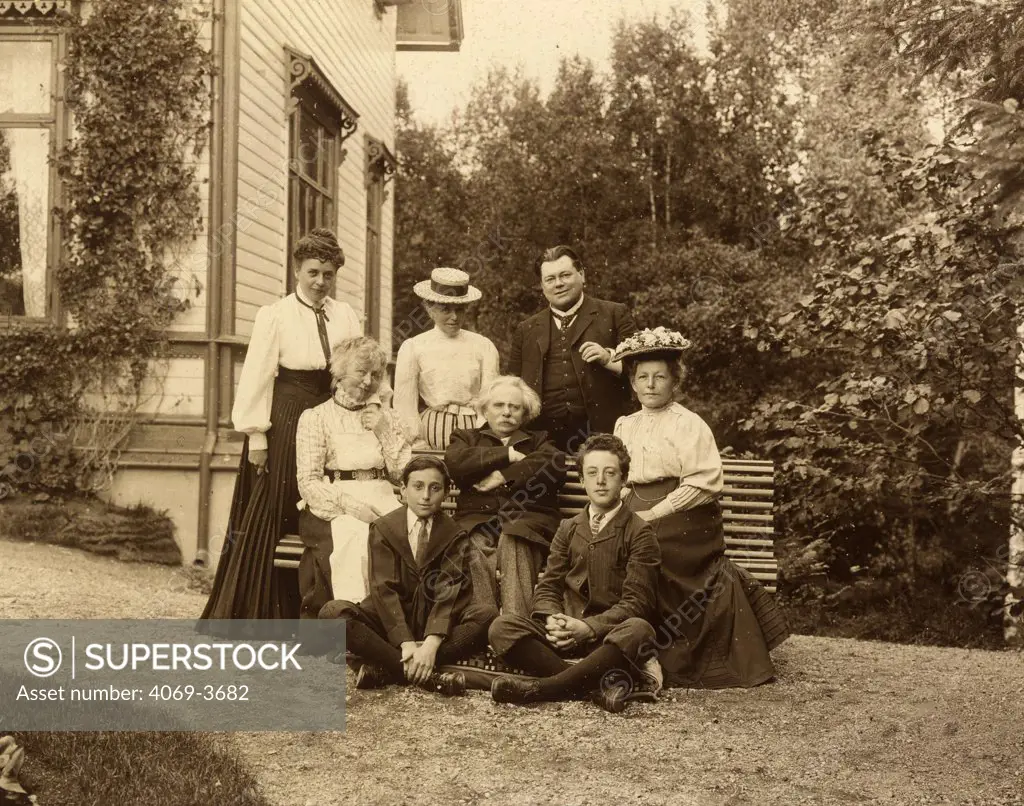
380,167
30,133
319,122
312,173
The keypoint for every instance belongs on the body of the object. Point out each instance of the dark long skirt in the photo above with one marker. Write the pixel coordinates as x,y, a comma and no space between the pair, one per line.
263,508
716,623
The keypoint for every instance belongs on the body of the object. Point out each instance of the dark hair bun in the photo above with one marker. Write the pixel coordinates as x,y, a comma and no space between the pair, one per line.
319,244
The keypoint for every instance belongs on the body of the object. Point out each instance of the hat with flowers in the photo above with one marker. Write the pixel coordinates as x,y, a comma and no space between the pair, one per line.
657,340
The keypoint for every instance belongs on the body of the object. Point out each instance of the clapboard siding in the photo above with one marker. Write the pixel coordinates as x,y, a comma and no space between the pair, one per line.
355,50
175,389
253,249
260,232
246,316
172,387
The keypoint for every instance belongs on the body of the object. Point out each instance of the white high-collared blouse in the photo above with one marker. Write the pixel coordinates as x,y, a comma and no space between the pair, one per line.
673,443
284,335
441,369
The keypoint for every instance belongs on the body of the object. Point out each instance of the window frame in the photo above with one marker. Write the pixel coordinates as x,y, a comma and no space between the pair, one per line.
310,93
326,195
380,167
34,29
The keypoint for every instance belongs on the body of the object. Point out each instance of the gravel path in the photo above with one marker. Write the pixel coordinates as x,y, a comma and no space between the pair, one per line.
847,722
44,581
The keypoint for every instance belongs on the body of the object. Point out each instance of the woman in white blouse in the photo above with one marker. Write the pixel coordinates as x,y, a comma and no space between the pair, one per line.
285,373
349,449
445,367
716,623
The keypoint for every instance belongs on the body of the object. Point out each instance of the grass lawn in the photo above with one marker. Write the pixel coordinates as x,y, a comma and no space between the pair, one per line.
135,769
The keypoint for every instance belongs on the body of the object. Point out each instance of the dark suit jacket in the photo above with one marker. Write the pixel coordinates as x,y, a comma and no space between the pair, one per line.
415,601
527,504
606,395
602,581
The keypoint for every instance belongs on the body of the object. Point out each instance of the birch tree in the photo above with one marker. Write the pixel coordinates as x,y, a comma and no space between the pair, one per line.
948,38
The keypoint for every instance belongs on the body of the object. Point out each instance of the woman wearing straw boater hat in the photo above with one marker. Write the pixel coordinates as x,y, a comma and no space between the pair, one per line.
444,367
716,625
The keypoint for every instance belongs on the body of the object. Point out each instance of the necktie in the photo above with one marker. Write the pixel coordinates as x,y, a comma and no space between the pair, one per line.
321,328
420,540
595,523
564,321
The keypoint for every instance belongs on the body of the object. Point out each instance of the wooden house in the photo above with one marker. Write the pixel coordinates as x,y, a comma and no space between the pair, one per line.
302,135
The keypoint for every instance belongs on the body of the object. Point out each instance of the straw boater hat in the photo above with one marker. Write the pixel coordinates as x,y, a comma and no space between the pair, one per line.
447,286
659,340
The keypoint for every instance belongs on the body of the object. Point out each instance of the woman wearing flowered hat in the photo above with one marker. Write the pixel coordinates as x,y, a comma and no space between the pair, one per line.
446,366
717,625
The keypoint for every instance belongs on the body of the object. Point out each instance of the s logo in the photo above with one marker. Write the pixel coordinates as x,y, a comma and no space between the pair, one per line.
43,657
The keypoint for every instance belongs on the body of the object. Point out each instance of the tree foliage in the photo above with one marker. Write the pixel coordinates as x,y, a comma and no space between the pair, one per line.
948,38
781,199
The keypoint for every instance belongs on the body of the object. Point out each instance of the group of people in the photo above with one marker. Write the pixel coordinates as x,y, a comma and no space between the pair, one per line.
637,584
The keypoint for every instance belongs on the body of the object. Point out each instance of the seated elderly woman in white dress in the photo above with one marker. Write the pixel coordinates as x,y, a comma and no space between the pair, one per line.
348,450
445,367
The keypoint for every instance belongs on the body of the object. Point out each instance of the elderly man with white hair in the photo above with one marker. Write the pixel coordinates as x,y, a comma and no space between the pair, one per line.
509,478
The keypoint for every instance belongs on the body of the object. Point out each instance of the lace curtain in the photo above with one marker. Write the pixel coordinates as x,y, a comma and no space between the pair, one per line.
25,77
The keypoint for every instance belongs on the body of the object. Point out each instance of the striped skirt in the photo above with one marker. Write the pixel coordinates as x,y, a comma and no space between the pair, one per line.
438,424
716,624
263,508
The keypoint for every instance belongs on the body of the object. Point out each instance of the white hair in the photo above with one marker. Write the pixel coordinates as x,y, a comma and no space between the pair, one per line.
531,401
362,347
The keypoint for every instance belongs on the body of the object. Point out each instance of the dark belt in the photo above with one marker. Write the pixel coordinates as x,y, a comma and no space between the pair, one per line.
357,475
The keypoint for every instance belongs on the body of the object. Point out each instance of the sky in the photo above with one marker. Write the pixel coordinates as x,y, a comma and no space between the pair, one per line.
535,34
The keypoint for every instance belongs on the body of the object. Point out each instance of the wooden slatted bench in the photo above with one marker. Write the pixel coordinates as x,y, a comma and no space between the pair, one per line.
746,504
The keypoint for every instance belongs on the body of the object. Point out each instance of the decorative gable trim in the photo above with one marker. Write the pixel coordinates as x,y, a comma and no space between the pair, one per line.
306,76
381,164
32,10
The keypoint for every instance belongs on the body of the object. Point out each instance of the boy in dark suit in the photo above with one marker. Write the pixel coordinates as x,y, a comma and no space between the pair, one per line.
420,612
597,592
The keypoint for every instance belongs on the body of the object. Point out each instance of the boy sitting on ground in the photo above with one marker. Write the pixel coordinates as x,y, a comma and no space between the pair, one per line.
595,597
420,612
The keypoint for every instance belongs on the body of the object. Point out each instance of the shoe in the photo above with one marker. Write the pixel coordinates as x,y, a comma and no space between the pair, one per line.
644,692
447,684
517,692
612,699
649,683
370,676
